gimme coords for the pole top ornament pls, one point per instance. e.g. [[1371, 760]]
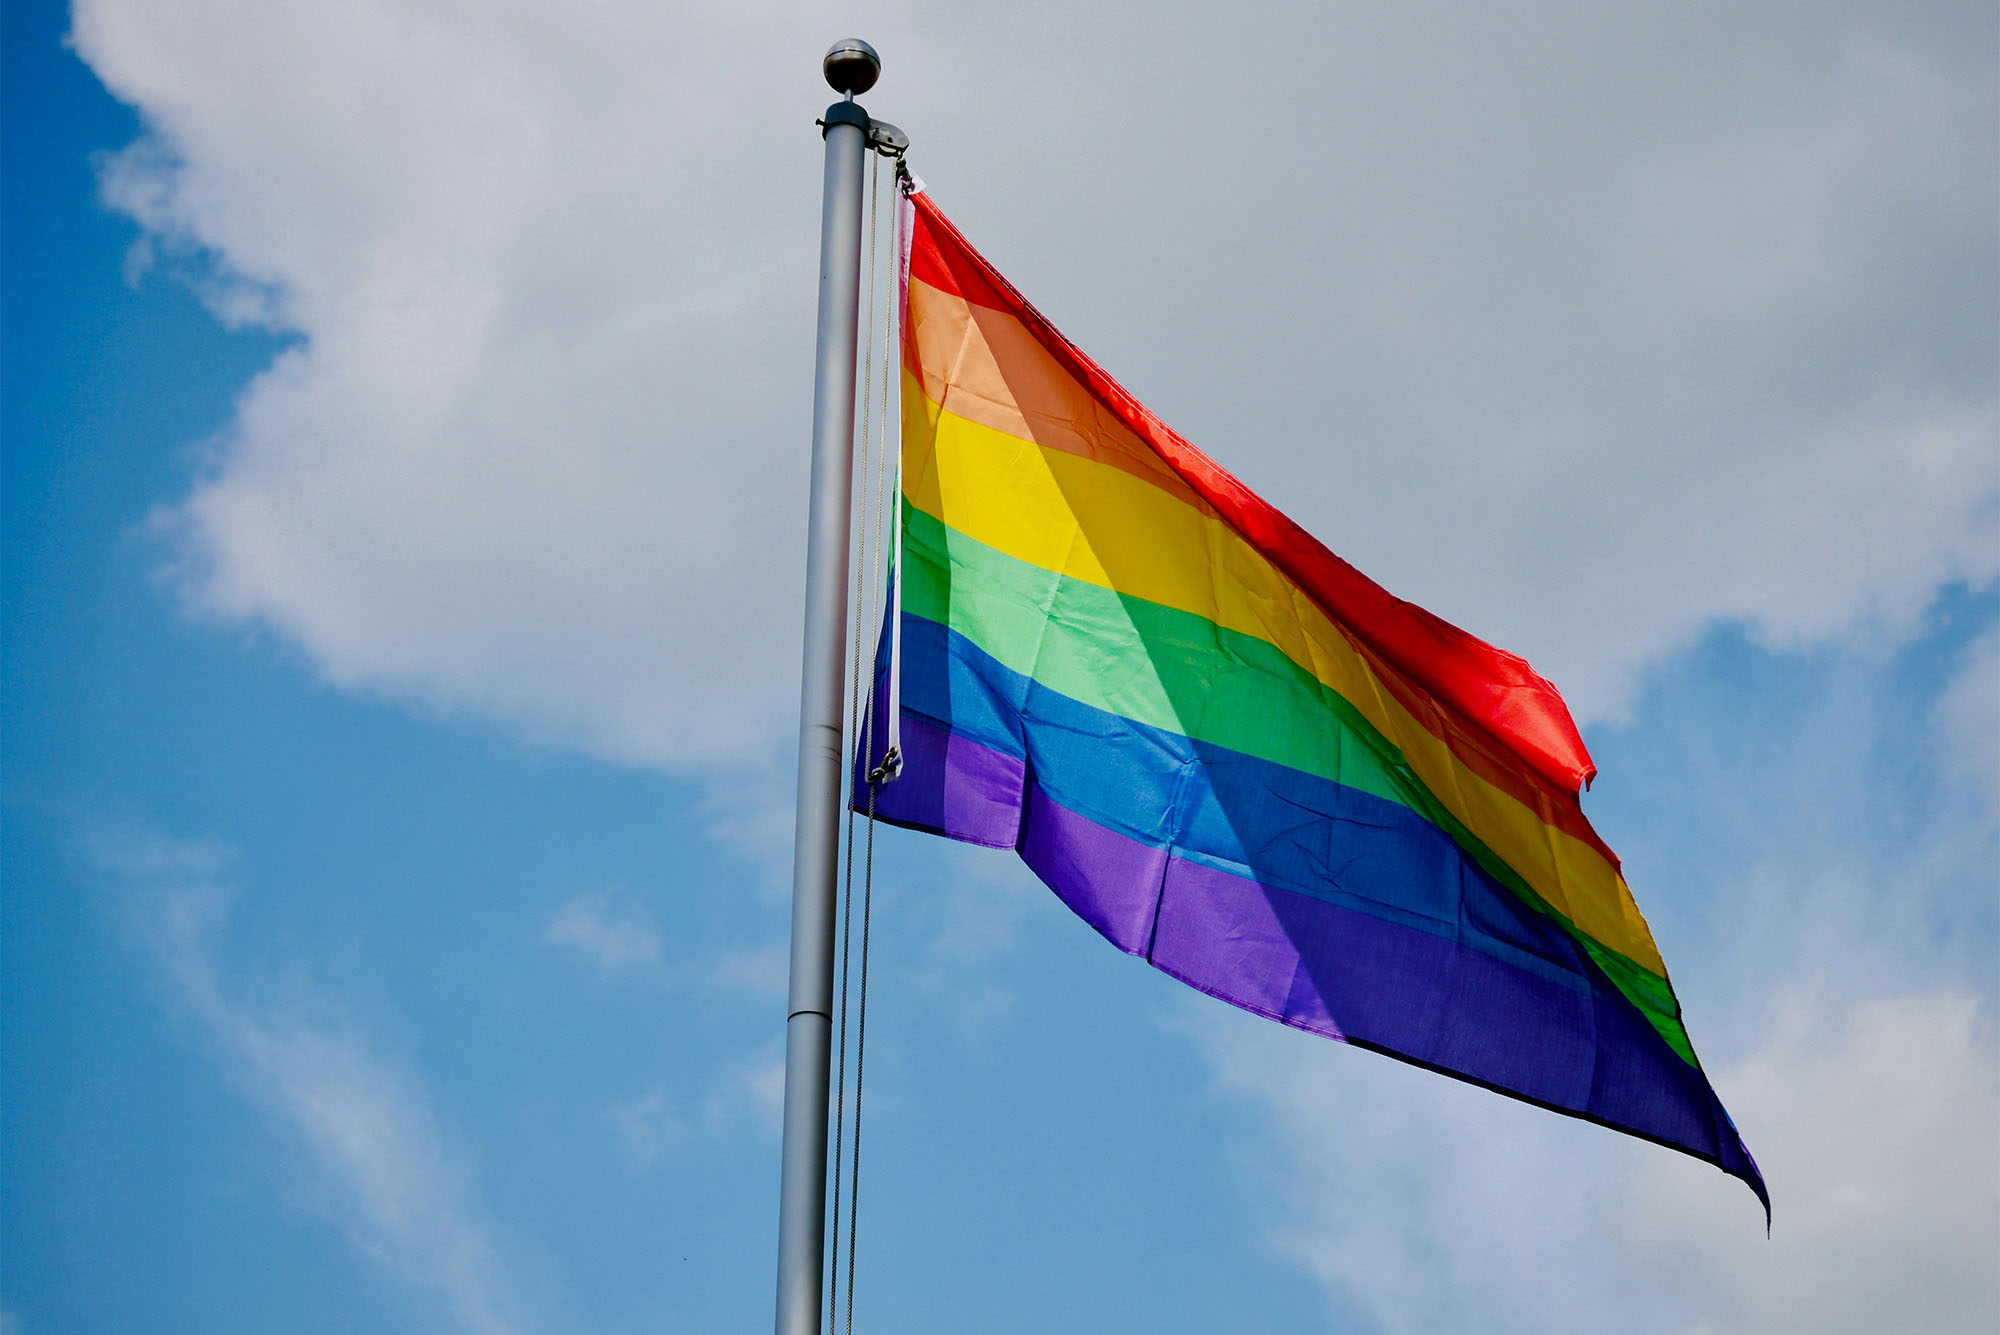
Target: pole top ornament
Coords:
[[851, 66]]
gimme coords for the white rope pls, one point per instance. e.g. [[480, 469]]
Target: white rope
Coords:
[[857, 716], [892, 758], [877, 474]]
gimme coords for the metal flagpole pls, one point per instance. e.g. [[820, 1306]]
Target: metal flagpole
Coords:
[[851, 67]]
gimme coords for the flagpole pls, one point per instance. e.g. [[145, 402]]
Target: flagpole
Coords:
[[851, 67]]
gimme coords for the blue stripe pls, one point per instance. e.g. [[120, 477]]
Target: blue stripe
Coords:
[[1229, 811]]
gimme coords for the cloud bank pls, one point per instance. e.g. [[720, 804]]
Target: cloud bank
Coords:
[[1583, 332], [1435, 1206]]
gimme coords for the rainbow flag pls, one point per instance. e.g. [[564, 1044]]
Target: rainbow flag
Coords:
[[1232, 753]]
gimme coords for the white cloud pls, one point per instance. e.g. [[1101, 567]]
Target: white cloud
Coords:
[[759, 1086], [747, 806], [969, 915], [1436, 1206], [1882, 1122], [381, 1165], [616, 932], [1968, 719], [748, 1091], [523, 459], [647, 1126], [1428, 1203], [761, 971], [611, 927], [1584, 331]]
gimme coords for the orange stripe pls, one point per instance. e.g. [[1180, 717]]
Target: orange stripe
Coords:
[[986, 366]]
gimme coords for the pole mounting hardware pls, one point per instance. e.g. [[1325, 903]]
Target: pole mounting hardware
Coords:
[[886, 139]]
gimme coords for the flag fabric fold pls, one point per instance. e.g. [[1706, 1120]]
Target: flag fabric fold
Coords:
[[1232, 753]]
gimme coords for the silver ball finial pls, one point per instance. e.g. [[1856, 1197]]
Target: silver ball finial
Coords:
[[852, 66]]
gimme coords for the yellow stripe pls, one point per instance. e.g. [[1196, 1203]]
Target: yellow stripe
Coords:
[[1104, 525]]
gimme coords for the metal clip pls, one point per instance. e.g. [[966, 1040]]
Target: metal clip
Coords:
[[891, 766]]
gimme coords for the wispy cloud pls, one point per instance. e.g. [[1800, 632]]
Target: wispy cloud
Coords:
[[381, 1165], [647, 1126], [761, 971], [612, 928], [969, 916], [653, 1124], [616, 932]]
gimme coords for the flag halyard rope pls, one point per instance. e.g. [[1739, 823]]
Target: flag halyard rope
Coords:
[[856, 717], [870, 573]]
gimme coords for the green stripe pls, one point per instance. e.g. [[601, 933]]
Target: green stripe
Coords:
[[1178, 671]]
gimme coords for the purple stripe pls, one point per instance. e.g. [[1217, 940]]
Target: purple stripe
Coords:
[[952, 785], [1319, 966]]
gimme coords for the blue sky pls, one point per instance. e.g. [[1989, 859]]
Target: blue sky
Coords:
[[405, 412]]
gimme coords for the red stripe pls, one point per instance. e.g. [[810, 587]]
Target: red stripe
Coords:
[[1490, 690]]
